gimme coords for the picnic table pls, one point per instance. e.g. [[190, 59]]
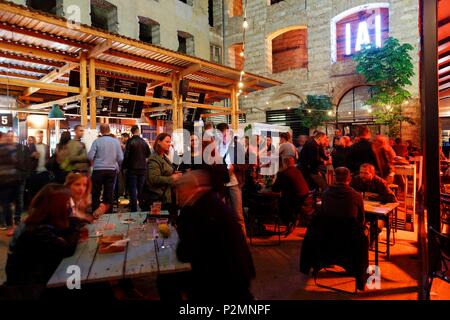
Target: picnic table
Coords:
[[144, 254]]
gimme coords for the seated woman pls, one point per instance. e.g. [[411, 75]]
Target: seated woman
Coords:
[[46, 236], [80, 189]]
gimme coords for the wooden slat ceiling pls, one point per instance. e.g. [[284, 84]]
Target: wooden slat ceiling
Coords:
[[33, 44]]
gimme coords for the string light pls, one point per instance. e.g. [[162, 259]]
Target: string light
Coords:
[[330, 113], [309, 110], [242, 53]]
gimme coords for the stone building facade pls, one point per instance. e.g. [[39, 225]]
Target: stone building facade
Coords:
[[318, 74]]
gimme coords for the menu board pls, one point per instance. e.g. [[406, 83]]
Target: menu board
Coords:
[[113, 107]]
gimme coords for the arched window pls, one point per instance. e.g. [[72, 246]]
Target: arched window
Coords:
[[288, 49], [352, 107]]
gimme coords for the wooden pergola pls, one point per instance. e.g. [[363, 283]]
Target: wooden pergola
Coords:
[[38, 50]]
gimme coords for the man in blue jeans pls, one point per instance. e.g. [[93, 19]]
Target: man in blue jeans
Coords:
[[135, 163], [107, 156]]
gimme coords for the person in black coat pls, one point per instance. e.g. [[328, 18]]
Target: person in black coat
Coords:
[[135, 164], [312, 158], [212, 240], [41, 242], [361, 152]]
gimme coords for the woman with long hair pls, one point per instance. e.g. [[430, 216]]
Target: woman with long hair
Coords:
[[160, 173], [45, 237], [80, 186]]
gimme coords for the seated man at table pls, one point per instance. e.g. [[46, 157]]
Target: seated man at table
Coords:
[[294, 190], [341, 200], [368, 182]]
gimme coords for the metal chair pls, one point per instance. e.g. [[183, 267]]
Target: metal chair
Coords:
[[442, 242]]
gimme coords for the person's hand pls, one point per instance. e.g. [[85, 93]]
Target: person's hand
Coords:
[[176, 176], [101, 210]]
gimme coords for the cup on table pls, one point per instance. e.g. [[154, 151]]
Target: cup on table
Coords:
[[156, 208]]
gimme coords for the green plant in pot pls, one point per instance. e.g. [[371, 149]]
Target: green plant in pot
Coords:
[[388, 71]]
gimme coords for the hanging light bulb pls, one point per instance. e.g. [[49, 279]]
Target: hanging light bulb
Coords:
[[242, 73], [289, 108], [370, 110], [330, 113], [245, 24], [309, 111], [241, 84], [240, 91], [241, 53]]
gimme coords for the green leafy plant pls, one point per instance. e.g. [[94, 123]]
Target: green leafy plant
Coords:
[[314, 111], [388, 71]]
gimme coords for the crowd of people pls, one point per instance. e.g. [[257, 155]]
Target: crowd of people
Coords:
[[75, 186]]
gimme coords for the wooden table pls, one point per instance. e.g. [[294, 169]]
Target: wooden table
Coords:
[[143, 255], [374, 211]]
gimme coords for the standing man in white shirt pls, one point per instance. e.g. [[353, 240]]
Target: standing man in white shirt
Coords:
[[42, 152], [233, 188]]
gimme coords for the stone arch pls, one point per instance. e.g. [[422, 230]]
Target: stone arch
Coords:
[[272, 36], [285, 100]]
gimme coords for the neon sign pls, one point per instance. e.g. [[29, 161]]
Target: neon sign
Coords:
[[358, 27]]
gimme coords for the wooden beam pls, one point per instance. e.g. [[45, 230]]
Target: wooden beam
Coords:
[[93, 100], [189, 70], [100, 48], [11, 66], [114, 67], [207, 115], [176, 101], [37, 52], [156, 84], [52, 76], [59, 102], [118, 95], [34, 99], [207, 106], [38, 84], [208, 87], [234, 108], [29, 59], [148, 61]]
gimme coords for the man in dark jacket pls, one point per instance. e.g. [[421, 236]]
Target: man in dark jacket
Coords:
[[135, 163], [294, 190], [361, 152], [341, 200], [312, 157], [212, 240], [368, 181]]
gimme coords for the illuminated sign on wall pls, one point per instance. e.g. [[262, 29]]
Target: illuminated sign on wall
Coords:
[[357, 27]]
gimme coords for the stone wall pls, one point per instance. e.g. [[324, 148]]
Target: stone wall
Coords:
[[320, 75]]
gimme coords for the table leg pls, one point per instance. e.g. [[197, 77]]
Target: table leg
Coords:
[[388, 235], [375, 229]]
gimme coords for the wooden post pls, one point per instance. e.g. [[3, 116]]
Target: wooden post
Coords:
[[93, 99], [83, 88], [175, 101], [234, 109]]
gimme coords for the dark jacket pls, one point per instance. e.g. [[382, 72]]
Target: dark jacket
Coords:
[[33, 161], [342, 201], [291, 184], [36, 251], [312, 157], [339, 156], [9, 172], [336, 241], [359, 153], [212, 240], [135, 158], [24, 162], [377, 185]]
